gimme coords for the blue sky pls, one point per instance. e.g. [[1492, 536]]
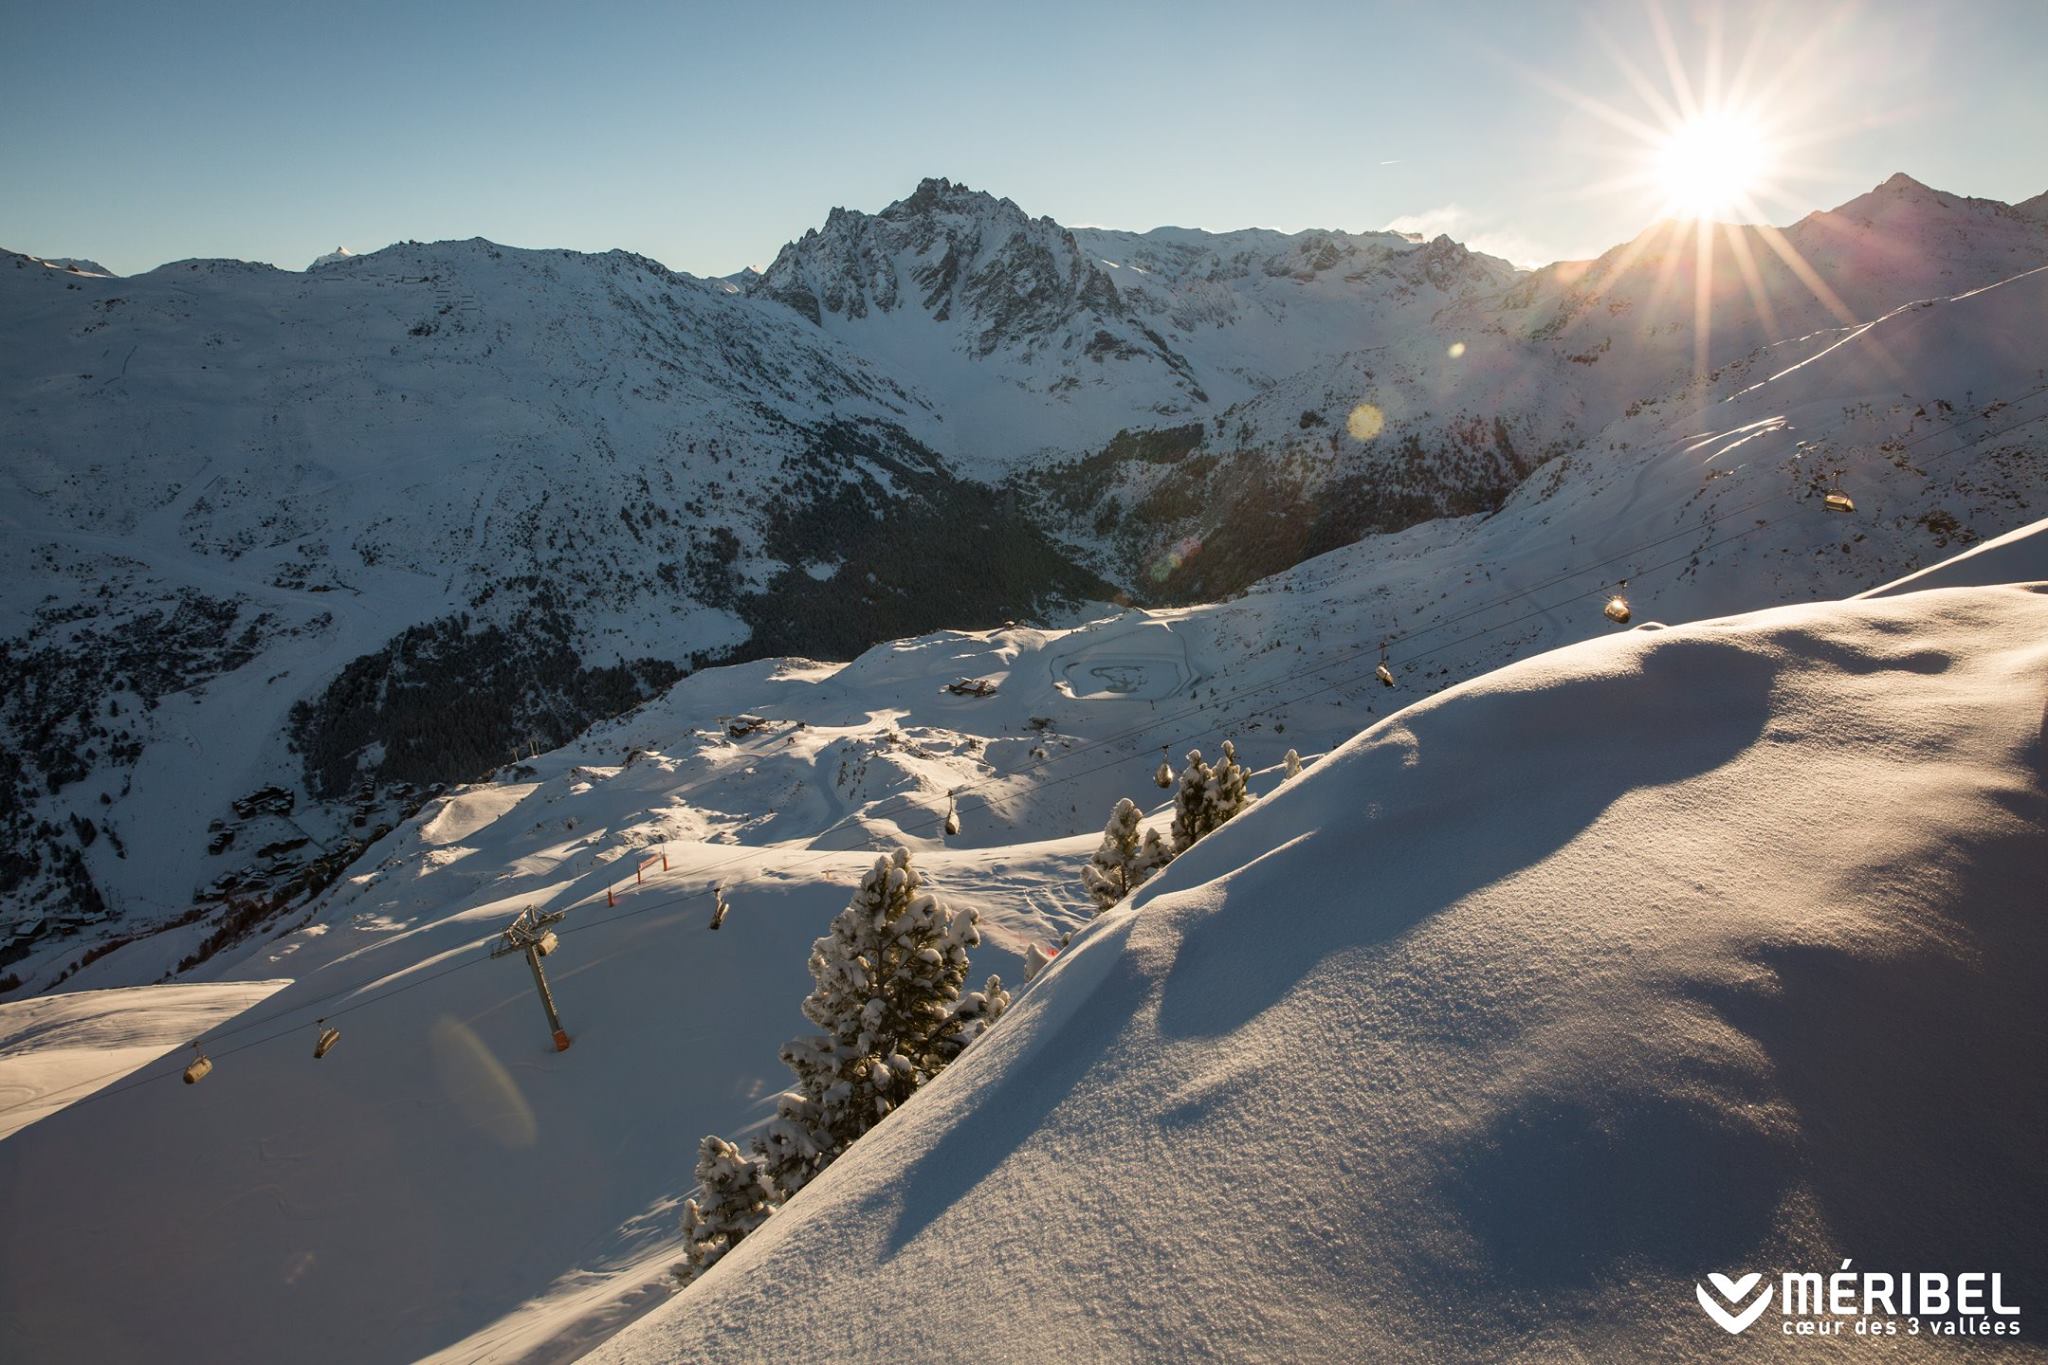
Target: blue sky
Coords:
[[707, 135]]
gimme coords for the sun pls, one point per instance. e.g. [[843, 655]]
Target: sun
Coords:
[[1711, 166]]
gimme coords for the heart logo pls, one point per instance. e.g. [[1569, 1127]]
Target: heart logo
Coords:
[[1734, 1291]]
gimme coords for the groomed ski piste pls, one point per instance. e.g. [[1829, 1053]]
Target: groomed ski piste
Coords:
[[1549, 987]]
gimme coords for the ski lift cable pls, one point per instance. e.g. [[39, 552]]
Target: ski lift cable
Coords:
[[216, 1053], [372, 994]]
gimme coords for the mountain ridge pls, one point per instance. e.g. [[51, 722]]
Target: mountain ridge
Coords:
[[283, 519]]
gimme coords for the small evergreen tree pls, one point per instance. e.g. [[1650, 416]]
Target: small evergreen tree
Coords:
[[737, 1195], [1207, 797], [1293, 762], [888, 980], [1125, 858], [976, 1012]]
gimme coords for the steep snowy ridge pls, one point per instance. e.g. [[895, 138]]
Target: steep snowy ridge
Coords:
[[1678, 301], [1498, 1030]]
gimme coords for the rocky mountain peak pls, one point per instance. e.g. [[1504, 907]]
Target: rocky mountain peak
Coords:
[[960, 255]]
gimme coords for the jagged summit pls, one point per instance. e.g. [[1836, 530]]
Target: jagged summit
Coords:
[[936, 193], [1116, 327]]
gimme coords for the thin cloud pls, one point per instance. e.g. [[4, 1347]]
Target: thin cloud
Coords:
[[1478, 233], [1430, 222]]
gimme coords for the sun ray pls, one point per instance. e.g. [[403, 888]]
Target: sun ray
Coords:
[[1702, 295], [1674, 66], [1752, 278], [1647, 133], [1807, 275], [1667, 113], [1671, 246]]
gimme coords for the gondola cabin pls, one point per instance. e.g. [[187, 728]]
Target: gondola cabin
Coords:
[[1839, 501], [1616, 610], [200, 1068], [1385, 675], [548, 943], [328, 1038]]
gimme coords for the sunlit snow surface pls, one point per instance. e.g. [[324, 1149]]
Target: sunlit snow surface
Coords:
[[1717, 946], [1597, 917], [1683, 950], [56, 1050]]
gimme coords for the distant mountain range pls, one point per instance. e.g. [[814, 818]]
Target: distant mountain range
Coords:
[[285, 550]]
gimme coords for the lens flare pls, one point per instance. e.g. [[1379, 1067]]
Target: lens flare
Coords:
[[1457, 350], [479, 1085], [1176, 555], [1365, 422]]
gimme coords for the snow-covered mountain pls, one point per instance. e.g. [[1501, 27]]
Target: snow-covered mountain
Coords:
[[1641, 828], [285, 551], [282, 550], [1458, 407], [1038, 338], [1678, 302]]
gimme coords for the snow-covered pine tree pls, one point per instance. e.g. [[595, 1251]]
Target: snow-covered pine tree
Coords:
[[1125, 858], [737, 1197], [1207, 796], [888, 980], [974, 1014], [1293, 762]]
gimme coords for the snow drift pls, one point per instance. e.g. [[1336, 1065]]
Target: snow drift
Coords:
[[1693, 950]]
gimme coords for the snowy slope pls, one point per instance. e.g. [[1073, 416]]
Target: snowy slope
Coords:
[[442, 1095], [458, 500], [1499, 1029], [1682, 300], [58, 1048]]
